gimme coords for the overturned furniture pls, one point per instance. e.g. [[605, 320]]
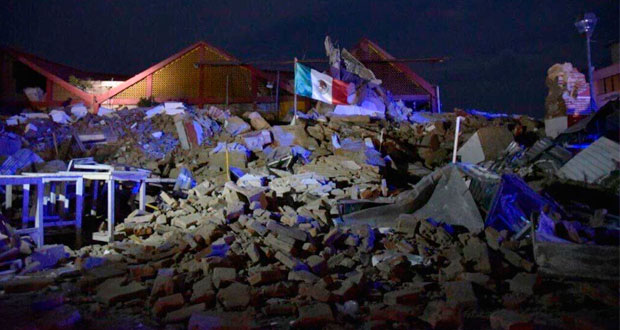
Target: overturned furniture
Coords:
[[41, 219]]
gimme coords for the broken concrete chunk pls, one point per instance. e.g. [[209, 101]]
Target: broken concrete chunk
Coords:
[[113, 290], [166, 304], [410, 296], [183, 314], [187, 220], [235, 296], [202, 292], [523, 283], [286, 231], [257, 121], [460, 293], [505, 319], [235, 126], [223, 276], [265, 277], [314, 315], [168, 200]]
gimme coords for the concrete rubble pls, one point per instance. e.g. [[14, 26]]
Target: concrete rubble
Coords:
[[330, 222]]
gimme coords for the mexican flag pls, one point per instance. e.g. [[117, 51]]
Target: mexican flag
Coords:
[[319, 86]]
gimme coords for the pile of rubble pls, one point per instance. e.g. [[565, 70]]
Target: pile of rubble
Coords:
[[333, 221], [361, 215]]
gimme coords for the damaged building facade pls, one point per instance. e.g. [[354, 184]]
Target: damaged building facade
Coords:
[[199, 74], [182, 76], [186, 214]]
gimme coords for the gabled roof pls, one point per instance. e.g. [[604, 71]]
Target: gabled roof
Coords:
[[396, 77], [142, 75], [50, 70], [61, 70]]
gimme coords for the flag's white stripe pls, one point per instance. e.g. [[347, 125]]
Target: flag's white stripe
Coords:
[[321, 86]]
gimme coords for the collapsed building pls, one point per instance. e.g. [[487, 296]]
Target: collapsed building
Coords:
[[369, 214]]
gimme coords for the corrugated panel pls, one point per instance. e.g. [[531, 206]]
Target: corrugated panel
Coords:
[[594, 162], [538, 147], [179, 79], [135, 91]]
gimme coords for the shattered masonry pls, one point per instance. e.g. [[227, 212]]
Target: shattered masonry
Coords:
[[341, 219]]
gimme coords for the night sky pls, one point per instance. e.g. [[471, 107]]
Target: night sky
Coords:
[[499, 50]]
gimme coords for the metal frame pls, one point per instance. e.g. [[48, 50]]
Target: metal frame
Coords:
[[26, 182], [50, 201], [41, 179], [110, 179]]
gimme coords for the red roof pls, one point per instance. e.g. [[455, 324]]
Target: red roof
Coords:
[[396, 77], [60, 70]]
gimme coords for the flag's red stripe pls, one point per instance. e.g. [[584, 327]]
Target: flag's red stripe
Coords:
[[339, 92]]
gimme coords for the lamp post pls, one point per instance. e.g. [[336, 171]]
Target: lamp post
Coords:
[[586, 26]]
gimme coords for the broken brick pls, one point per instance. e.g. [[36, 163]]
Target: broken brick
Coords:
[[166, 304]]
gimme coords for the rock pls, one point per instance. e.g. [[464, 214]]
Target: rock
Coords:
[[26, 284], [314, 315], [235, 296], [163, 285], [441, 315], [460, 293], [317, 264], [257, 121], [289, 261], [516, 260], [146, 218], [286, 231], [302, 275], [186, 221], [235, 126], [505, 319], [219, 320], [453, 270], [409, 296], [265, 277], [252, 194], [477, 252], [112, 291], [202, 292], [168, 303], [168, 200], [48, 255], [523, 283], [223, 276], [287, 135], [183, 314]]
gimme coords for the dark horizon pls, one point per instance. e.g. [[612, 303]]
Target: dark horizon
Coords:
[[498, 53]]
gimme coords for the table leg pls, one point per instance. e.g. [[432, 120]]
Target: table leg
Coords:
[[38, 221], [25, 205], [111, 210], [8, 197], [142, 194]]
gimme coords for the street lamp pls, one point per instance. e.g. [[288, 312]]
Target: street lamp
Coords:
[[586, 26]]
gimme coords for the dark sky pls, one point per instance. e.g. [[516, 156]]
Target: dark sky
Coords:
[[499, 50]]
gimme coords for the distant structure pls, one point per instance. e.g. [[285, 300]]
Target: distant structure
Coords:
[[607, 79], [180, 77], [20, 70], [398, 78], [199, 74]]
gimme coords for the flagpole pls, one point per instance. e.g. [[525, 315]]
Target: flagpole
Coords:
[[295, 91]]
